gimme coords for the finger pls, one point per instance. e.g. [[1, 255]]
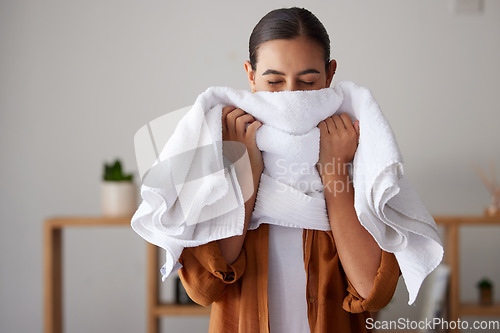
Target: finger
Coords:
[[252, 128], [330, 125], [241, 122], [347, 122], [231, 119], [323, 130], [225, 111], [356, 127], [339, 124], [346, 119], [322, 127]]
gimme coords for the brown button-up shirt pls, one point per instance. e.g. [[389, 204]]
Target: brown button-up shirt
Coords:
[[238, 292]]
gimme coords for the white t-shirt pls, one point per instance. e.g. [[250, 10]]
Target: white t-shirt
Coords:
[[286, 284]]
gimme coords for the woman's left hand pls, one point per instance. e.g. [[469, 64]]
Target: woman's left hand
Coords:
[[338, 143]]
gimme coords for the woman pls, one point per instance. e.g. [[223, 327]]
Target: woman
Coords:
[[281, 279]]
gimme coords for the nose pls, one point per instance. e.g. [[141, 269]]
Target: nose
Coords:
[[292, 85]]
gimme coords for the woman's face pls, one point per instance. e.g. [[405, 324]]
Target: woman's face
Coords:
[[290, 64]]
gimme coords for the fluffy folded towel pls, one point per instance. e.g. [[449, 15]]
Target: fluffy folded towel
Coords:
[[191, 195]]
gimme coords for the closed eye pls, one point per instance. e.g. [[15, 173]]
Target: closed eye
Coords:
[[307, 82], [274, 82]]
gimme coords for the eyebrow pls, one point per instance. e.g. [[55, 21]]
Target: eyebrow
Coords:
[[307, 71]]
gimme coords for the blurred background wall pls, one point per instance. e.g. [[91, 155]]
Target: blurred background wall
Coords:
[[79, 78]]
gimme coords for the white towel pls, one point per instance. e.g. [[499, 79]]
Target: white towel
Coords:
[[191, 196]]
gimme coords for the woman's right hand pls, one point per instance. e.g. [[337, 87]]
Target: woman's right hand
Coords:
[[234, 128]]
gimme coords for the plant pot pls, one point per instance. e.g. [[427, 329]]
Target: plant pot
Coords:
[[486, 296], [118, 198]]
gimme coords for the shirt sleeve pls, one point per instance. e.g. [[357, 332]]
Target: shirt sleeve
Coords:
[[205, 273], [384, 286]]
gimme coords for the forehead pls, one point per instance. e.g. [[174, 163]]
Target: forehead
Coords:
[[290, 54]]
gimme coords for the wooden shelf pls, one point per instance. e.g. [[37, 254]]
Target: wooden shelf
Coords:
[[452, 224], [156, 308], [82, 221], [467, 220], [181, 310], [53, 233], [473, 309]]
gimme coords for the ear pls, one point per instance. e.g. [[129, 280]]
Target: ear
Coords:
[[250, 74], [332, 67]]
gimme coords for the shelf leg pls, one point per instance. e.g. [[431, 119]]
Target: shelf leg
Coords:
[[53, 279], [152, 289], [453, 260]]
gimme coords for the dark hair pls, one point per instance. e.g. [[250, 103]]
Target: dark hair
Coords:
[[288, 23]]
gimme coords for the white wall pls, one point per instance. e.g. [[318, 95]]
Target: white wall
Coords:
[[78, 78]]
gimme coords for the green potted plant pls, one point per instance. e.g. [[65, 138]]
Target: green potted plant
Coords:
[[119, 194], [485, 291]]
